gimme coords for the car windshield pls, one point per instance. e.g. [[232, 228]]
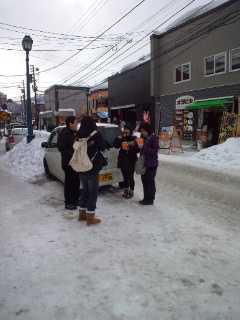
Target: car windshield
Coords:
[[20, 131], [109, 134]]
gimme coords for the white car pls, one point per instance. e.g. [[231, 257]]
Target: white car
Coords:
[[109, 174], [16, 135]]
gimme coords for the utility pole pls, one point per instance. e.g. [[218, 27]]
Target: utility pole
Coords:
[[35, 89], [24, 102]]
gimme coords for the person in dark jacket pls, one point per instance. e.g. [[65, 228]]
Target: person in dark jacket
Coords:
[[65, 143], [150, 150], [126, 159], [90, 179]]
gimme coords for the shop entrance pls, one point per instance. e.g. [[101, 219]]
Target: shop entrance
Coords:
[[212, 119], [209, 119], [124, 116]]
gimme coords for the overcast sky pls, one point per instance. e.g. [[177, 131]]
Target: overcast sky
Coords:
[[88, 43]]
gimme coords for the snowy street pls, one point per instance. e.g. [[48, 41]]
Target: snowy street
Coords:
[[176, 260]]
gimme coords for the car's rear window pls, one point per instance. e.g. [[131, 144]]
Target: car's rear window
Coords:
[[21, 131], [109, 134]]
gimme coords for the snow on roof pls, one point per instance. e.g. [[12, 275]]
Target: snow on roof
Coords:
[[102, 86], [159, 32], [69, 109], [193, 13], [134, 64]]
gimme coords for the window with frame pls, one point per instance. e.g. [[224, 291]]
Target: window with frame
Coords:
[[182, 72], [215, 64], [234, 57], [53, 139]]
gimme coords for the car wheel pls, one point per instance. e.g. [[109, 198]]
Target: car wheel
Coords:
[[46, 169]]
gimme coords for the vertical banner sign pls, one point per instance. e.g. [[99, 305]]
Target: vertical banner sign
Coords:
[[187, 125], [183, 122], [146, 116], [179, 119], [228, 128]]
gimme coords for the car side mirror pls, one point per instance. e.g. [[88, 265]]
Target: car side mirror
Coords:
[[44, 145]]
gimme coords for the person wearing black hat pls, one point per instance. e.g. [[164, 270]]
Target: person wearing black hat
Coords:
[[126, 159], [149, 148]]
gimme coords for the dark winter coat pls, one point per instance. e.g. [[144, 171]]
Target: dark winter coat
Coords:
[[126, 158], [94, 150], [150, 150], [65, 143]]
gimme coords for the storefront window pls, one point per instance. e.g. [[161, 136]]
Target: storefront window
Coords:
[[215, 64], [235, 59], [182, 72]]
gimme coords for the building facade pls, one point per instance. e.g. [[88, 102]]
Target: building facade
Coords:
[[98, 102], [197, 63], [129, 96], [62, 101]]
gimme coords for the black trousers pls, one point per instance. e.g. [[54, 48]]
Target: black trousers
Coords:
[[148, 181], [71, 185], [128, 179]]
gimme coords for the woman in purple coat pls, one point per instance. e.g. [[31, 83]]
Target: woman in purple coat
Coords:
[[150, 150]]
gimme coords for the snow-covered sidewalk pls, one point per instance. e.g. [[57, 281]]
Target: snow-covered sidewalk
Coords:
[[178, 259]]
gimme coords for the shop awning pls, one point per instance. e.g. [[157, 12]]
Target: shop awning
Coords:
[[45, 114], [123, 107], [208, 103]]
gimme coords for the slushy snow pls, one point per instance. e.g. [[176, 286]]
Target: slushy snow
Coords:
[[178, 259]]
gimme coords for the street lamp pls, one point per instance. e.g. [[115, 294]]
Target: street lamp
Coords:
[[27, 46]]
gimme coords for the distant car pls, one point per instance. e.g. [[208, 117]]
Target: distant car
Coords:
[[15, 136], [17, 125], [109, 174]]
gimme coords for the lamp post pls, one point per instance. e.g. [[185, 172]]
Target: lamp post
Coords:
[[27, 46]]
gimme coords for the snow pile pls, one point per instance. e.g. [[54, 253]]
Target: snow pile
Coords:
[[225, 155], [26, 159]]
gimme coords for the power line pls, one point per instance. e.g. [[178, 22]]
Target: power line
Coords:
[[93, 9], [95, 38], [107, 60], [203, 36], [176, 45], [104, 53]]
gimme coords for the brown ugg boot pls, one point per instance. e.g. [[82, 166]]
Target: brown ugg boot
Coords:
[[82, 215], [91, 220], [125, 193], [130, 194]]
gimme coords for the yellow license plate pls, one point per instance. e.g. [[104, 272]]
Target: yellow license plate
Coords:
[[105, 177]]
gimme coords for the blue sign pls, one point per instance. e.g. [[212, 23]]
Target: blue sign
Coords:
[[4, 107]]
